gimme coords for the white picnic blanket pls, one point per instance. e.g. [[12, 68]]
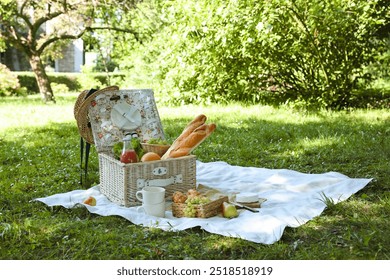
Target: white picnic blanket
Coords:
[[293, 198]]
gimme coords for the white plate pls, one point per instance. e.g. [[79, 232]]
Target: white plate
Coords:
[[125, 117], [247, 197]]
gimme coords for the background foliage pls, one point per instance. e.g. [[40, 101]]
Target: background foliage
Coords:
[[9, 82], [318, 54], [313, 53], [71, 81]]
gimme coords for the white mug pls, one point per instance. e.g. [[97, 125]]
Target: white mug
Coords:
[[157, 210], [151, 195]]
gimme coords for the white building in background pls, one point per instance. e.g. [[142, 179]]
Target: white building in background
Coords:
[[73, 58]]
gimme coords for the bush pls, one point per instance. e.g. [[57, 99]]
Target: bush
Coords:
[[316, 52], [9, 83], [273, 51], [72, 81], [59, 88], [27, 80], [90, 79]]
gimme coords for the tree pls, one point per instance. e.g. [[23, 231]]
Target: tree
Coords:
[[40, 28]]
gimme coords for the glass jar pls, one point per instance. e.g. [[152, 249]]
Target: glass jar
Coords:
[[128, 153]]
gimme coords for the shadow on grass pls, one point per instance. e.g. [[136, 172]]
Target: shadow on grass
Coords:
[[42, 161], [356, 147], [49, 156]]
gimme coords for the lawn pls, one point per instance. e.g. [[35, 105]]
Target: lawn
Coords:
[[39, 155]]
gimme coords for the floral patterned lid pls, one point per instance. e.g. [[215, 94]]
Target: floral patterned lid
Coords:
[[115, 113]]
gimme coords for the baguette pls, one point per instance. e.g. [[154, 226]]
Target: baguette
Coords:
[[192, 141], [195, 123]]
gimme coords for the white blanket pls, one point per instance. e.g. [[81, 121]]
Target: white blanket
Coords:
[[293, 198]]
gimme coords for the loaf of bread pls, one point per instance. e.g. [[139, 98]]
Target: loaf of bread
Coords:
[[195, 123], [193, 140]]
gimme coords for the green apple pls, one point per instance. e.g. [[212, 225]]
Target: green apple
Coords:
[[229, 210]]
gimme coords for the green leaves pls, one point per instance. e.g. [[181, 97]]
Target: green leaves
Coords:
[[314, 54]]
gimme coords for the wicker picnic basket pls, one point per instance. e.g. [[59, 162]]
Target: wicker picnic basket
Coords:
[[156, 148], [206, 210], [120, 182], [113, 113]]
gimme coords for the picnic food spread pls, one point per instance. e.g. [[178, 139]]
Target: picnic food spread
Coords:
[[133, 153], [194, 204], [192, 136]]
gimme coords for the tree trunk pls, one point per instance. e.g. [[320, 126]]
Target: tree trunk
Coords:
[[42, 78]]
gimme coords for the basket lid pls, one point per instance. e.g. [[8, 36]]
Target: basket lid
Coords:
[[81, 108], [113, 114]]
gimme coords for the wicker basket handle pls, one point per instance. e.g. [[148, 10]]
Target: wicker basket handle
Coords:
[[176, 179]]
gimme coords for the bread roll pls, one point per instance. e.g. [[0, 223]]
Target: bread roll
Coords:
[[150, 156], [195, 123], [179, 197]]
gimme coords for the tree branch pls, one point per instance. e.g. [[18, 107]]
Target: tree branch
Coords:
[[57, 38], [23, 16], [301, 21], [82, 32], [24, 4], [37, 24], [136, 34]]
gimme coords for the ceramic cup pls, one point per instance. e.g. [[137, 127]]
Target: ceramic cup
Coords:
[[151, 195], [157, 210]]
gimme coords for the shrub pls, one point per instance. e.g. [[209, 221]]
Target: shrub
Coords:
[[59, 88], [9, 83], [27, 80], [316, 52], [313, 53], [89, 79], [71, 81]]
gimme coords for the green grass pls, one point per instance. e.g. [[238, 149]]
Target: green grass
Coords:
[[39, 156]]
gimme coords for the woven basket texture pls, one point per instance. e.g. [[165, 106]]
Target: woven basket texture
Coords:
[[206, 210], [155, 148], [120, 182]]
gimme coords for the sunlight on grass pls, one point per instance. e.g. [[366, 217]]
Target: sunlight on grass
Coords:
[[31, 112], [314, 143], [40, 156]]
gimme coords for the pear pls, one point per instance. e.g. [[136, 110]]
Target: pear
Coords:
[[229, 210]]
